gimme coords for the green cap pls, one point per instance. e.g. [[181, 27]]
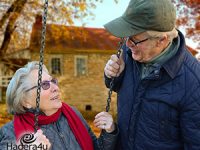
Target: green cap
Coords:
[[144, 15]]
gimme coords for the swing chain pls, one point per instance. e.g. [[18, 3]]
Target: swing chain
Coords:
[[44, 20], [120, 44]]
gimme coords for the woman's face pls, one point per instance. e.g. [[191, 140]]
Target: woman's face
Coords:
[[50, 100]]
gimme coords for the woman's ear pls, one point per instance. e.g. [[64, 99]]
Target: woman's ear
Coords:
[[26, 104]]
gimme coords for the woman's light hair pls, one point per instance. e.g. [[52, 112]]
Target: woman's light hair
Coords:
[[156, 34], [15, 93]]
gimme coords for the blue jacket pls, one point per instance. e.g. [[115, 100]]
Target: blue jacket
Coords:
[[161, 111]]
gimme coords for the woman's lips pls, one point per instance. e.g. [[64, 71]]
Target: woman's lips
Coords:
[[55, 97]]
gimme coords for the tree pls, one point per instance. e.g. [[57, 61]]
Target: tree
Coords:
[[18, 17], [189, 18], [12, 13]]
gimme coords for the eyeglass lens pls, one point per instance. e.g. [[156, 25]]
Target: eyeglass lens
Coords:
[[46, 84]]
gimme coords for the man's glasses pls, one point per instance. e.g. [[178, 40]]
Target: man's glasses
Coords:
[[133, 43], [45, 84]]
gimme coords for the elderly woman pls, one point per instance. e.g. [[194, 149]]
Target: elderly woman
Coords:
[[61, 127]]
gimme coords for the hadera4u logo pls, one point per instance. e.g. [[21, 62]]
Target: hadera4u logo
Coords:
[[27, 142]]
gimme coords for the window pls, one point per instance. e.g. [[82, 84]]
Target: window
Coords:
[[88, 107], [80, 65], [56, 66]]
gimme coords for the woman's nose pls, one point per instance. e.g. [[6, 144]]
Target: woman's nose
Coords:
[[54, 87]]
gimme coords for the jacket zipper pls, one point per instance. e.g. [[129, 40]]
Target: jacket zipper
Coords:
[[60, 135]]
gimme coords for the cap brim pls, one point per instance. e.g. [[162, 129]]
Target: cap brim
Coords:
[[121, 28]]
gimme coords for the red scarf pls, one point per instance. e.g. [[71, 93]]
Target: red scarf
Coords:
[[24, 123]]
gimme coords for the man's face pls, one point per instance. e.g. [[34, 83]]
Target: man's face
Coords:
[[143, 47]]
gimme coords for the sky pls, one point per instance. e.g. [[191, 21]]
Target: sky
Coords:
[[105, 12]]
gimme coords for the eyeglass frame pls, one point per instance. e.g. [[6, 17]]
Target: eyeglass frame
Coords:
[[133, 43], [45, 81]]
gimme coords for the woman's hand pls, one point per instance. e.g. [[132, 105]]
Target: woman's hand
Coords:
[[104, 120], [42, 139]]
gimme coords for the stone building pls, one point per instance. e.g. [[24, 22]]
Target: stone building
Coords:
[[76, 56]]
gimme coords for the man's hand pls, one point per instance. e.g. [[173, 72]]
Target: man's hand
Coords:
[[114, 66]]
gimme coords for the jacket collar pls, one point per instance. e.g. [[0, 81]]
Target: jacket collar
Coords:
[[172, 66]]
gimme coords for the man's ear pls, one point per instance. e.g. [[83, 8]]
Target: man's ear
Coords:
[[162, 41]]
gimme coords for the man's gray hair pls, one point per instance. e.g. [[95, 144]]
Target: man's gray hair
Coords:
[[156, 34], [15, 93]]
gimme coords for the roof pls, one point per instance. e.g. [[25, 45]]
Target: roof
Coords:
[[70, 39], [66, 39]]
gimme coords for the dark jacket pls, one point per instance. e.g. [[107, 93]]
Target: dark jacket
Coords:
[[161, 111], [61, 136]]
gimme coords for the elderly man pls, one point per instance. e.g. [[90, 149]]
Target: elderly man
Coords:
[[156, 78]]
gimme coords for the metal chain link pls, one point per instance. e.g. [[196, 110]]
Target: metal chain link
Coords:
[[44, 20], [112, 79]]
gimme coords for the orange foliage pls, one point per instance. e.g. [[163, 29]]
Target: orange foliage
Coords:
[[18, 15], [188, 16], [4, 116]]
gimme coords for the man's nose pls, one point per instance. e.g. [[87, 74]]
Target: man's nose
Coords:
[[130, 44]]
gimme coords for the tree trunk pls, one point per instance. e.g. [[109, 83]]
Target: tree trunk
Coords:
[[14, 12]]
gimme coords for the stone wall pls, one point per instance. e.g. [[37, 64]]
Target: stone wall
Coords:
[[83, 91]]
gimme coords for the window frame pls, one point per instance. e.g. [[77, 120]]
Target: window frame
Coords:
[[61, 64], [76, 67]]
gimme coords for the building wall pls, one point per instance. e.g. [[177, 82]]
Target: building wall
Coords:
[[80, 91]]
